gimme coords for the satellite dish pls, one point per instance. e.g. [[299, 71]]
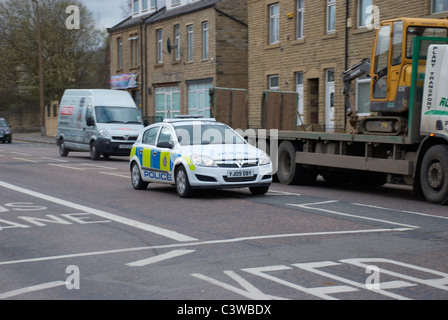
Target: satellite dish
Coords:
[[168, 45]]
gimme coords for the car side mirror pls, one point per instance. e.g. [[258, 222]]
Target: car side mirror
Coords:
[[165, 144]]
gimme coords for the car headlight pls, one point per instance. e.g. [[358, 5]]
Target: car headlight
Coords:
[[104, 133], [264, 159], [204, 161]]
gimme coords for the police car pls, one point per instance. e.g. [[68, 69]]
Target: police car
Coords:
[[194, 153]]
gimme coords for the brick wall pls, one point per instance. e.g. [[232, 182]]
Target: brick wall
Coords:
[[316, 52]]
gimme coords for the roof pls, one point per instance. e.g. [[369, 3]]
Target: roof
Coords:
[[182, 10], [163, 14]]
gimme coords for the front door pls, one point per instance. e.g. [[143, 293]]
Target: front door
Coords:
[[329, 101]]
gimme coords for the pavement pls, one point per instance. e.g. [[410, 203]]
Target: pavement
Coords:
[[33, 137]]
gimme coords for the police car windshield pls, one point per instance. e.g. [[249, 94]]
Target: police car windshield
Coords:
[[117, 115], [203, 134]]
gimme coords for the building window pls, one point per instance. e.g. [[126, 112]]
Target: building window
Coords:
[[136, 6], [273, 83], [153, 4], [144, 5], [331, 16], [120, 52], [204, 40], [300, 19], [174, 2], [274, 23], [363, 95], [363, 12], [177, 42], [134, 51], [190, 43], [199, 99], [439, 6], [167, 102], [160, 46]]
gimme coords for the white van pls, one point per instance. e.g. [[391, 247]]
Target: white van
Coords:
[[100, 121]]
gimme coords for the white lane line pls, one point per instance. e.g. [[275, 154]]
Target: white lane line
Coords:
[[307, 206], [403, 211], [28, 160], [39, 287], [22, 154], [201, 243], [139, 225], [53, 159], [161, 257], [121, 175]]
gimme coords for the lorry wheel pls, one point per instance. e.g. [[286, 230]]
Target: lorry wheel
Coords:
[[288, 171], [183, 187], [63, 152], [434, 174], [136, 178], [93, 154]]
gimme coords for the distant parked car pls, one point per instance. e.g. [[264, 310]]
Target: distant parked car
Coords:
[[5, 131]]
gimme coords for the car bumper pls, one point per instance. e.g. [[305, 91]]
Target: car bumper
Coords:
[[208, 178], [109, 147], [5, 137]]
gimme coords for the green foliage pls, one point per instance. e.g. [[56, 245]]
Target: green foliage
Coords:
[[72, 58]]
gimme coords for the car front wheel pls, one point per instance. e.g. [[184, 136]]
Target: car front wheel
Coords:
[[136, 178], [183, 187]]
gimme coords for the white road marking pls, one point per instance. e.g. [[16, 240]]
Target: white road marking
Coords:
[[307, 206], [161, 257], [121, 175], [201, 243], [139, 225], [39, 287], [28, 160], [403, 211]]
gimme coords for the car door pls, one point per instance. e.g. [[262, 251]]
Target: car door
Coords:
[[161, 156], [145, 152]]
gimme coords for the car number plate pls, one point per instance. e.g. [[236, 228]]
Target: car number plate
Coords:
[[240, 173], [125, 146]]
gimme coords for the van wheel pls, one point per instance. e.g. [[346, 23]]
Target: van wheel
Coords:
[[183, 187], [136, 178], [63, 152], [93, 154]]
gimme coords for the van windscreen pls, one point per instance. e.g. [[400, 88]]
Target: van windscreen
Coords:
[[117, 115]]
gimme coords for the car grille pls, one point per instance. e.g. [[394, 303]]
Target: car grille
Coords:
[[122, 138], [240, 179], [234, 164]]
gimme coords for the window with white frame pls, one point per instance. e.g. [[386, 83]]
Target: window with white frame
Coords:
[[300, 19], [363, 13], [273, 82], [160, 46], [204, 40], [176, 42], [274, 23], [120, 52], [199, 99], [331, 16], [134, 51], [167, 102], [136, 6], [144, 5], [175, 2], [190, 42], [439, 6], [153, 4], [363, 95]]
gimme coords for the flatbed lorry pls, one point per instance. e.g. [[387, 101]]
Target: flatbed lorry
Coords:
[[405, 138]]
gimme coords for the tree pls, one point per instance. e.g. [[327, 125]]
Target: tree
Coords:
[[70, 56]]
